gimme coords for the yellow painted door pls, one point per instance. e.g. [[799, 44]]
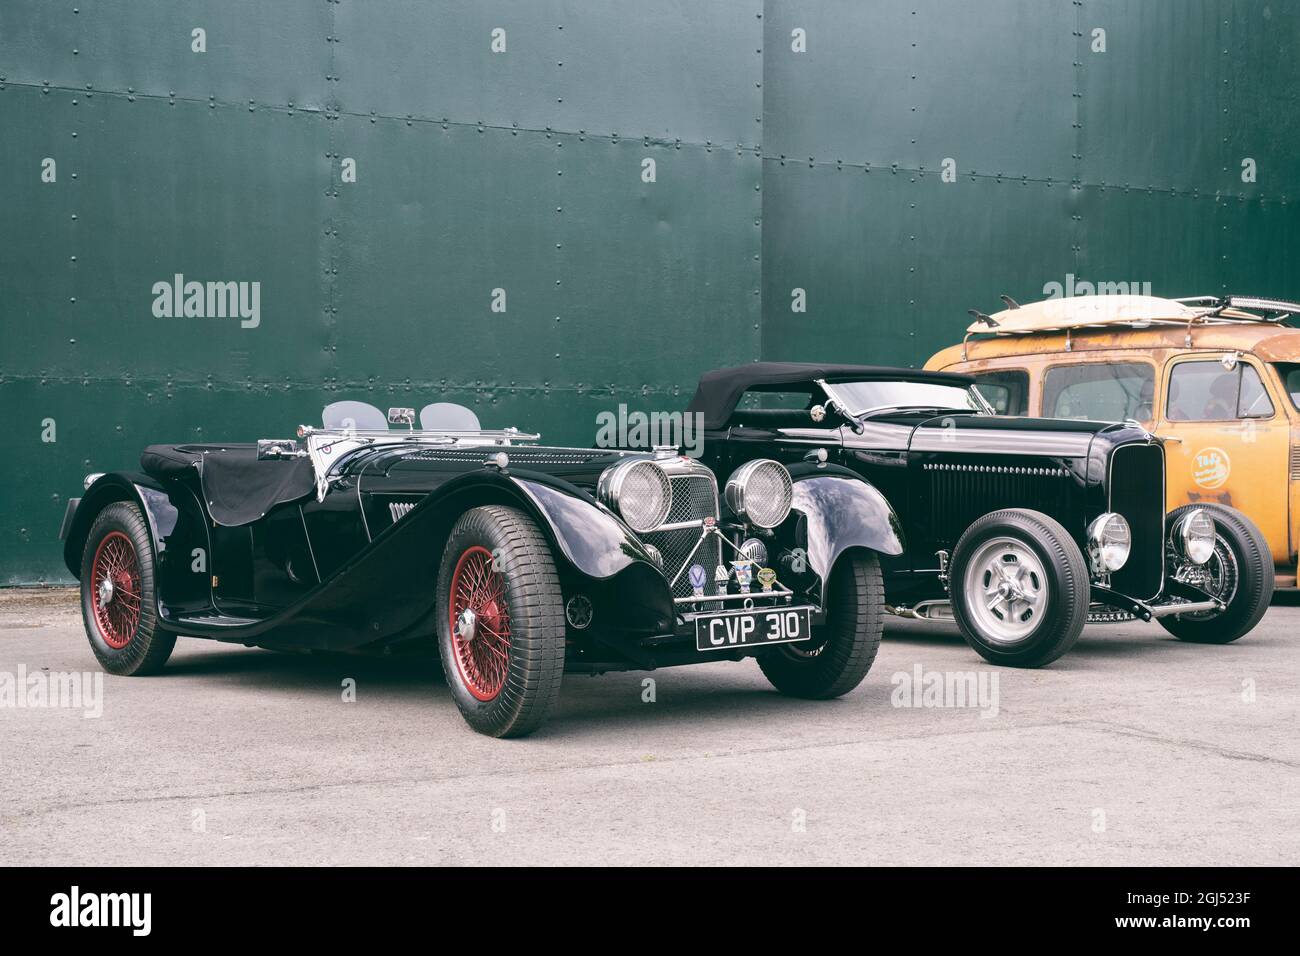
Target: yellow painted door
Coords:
[[1228, 440]]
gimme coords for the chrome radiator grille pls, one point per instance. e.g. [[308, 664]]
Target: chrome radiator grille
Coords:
[[695, 497]]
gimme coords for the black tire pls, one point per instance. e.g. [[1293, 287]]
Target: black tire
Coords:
[[515, 699], [1029, 637], [842, 650], [1252, 591], [125, 643]]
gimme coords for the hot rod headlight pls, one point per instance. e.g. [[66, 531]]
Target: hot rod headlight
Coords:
[[759, 492], [1194, 536], [1109, 542], [639, 491]]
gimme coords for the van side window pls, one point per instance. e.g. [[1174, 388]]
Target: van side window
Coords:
[[1006, 390], [1104, 393], [1253, 401], [1206, 391], [1290, 373]]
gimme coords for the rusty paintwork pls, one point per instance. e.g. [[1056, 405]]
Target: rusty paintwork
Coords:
[[1256, 454]]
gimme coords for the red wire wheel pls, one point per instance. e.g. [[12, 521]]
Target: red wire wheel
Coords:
[[115, 589], [480, 623]]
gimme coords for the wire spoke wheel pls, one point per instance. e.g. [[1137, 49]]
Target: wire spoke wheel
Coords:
[[501, 637], [116, 589], [480, 623]]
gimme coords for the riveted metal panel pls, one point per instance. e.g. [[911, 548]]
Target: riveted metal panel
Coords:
[[677, 71], [273, 53], [1186, 90], [1171, 240], [536, 259], [888, 262], [159, 190], [987, 84]]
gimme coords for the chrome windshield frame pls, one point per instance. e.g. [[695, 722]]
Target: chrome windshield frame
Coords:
[[838, 399], [329, 448]]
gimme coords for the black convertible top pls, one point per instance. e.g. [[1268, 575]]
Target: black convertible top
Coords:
[[720, 390]]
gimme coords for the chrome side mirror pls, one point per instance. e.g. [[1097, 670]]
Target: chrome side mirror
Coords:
[[818, 413], [401, 416]]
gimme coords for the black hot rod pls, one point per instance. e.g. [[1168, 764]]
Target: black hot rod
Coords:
[[526, 561], [1019, 528]]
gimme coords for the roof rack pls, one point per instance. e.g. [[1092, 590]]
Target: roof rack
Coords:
[[1275, 310], [1134, 311]]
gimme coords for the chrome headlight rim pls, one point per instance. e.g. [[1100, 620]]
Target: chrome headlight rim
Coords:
[[1110, 542], [1194, 536], [612, 490], [742, 498]]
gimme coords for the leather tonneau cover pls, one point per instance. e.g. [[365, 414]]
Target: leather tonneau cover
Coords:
[[237, 487]]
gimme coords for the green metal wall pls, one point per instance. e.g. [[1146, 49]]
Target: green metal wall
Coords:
[[522, 171], [1115, 166]]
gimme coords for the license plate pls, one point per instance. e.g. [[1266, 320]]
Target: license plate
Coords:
[[731, 629]]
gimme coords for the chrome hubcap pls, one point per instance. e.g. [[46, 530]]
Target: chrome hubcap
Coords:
[[466, 625], [1006, 590], [105, 591]]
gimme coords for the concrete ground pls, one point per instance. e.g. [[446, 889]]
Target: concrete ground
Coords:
[[1134, 749]]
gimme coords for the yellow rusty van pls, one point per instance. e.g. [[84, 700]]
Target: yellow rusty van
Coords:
[[1217, 378]]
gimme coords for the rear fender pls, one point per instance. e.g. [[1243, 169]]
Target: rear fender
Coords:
[[141, 490]]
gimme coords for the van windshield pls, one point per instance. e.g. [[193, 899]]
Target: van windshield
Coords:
[[1290, 373]]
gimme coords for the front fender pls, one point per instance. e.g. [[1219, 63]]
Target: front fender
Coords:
[[591, 538], [842, 511]]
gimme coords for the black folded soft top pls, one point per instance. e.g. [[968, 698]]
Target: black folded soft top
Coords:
[[237, 487], [720, 390]]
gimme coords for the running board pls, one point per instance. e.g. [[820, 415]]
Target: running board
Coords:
[[211, 621]]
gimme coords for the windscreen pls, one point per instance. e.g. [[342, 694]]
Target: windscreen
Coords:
[[864, 397]]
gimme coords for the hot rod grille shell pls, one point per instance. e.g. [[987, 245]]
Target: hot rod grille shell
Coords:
[[1136, 481]]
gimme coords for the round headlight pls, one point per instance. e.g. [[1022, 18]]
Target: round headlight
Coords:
[[1194, 536], [1109, 542], [759, 492], [638, 490], [755, 550]]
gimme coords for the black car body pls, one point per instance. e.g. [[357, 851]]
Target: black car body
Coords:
[[957, 476], [525, 560]]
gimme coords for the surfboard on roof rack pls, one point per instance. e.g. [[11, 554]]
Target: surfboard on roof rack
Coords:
[[1140, 311]]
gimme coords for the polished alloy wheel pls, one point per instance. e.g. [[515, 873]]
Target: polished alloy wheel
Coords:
[[115, 583], [1006, 590], [480, 623]]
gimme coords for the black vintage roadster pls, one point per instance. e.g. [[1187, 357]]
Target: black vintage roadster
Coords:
[[1021, 529], [526, 561]]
